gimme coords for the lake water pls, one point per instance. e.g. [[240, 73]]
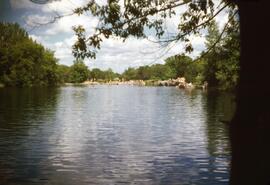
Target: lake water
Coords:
[[113, 135]]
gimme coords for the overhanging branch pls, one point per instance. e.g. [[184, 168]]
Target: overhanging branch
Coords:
[[219, 38]]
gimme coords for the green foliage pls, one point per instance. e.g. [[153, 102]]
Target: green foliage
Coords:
[[96, 74], [23, 62], [212, 58], [144, 73], [218, 66], [63, 73], [153, 72], [107, 75], [137, 18], [161, 72], [78, 72], [222, 62], [181, 65], [130, 74], [26, 63]]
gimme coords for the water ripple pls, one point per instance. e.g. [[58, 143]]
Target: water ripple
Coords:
[[112, 135]]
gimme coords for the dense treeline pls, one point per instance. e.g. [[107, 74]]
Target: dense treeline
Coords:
[[106, 75], [23, 62], [79, 72], [221, 63], [219, 66], [176, 66]]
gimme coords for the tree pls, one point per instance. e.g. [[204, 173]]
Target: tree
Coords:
[[23, 62], [227, 72], [222, 62], [134, 17], [130, 74], [107, 75], [179, 64], [161, 72], [96, 74], [250, 126], [213, 57], [78, 72], [63, 73], [143, 73]]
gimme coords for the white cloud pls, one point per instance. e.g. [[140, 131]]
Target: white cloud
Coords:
[[133, 53], [36, 20], [24, 4], [63, 6], [114, 53], [48, 26], [37, 38], [222, 19], [119, 55], [65, 24]]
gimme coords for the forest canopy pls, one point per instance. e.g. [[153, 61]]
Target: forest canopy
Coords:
[[142, 19], [23, 62], [27, 63]]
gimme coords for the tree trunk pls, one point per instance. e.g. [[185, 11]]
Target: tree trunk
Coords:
[[250, 128]]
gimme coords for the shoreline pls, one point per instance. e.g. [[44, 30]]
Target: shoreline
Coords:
[[180, 83]]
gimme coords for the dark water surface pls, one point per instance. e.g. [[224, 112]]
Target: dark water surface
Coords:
[[113, 135]]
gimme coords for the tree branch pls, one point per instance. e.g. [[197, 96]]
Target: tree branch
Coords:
[[178, 37], [219, 38], [55, 18]]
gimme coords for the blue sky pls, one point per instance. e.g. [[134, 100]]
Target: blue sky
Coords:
[[114, 54]]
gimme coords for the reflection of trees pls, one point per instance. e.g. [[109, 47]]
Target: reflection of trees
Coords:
[[219, 111], [19, 105], [23, 113]]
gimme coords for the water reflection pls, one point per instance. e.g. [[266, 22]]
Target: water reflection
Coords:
[[23, 115], [219, 111], [112, 135]]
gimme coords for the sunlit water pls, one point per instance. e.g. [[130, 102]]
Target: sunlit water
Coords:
[[113, 135]]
